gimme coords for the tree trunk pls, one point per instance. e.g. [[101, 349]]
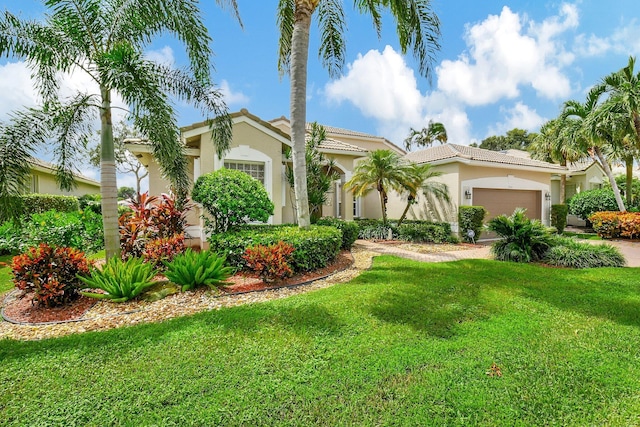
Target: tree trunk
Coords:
[[298, 103], [629, 181], [108, 182], [406, 209], [383, 205], [612, 180]]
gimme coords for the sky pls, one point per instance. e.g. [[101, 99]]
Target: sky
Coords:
[[501, 65]]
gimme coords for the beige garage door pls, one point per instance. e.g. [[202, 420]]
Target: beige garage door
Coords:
[[503, 202]]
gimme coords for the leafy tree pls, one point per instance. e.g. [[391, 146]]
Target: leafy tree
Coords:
[[420, 179], [125, 193], [321, 173], [105, 39], [381, 170], [418, 29], [586, 203], [425, 137], [126, 162], [515, 139], [232, 198]]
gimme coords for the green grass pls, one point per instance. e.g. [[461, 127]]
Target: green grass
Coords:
[[405, 343], [583, 236], [5, 274]]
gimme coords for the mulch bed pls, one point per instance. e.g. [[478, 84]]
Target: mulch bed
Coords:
[[23, 310]]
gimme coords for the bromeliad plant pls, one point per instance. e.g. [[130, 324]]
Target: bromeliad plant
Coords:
[[121, 280], [193, 269], [521, 239]]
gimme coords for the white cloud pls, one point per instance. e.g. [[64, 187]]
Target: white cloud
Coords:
[[509, 51], [162, 56], [625, 40], [16, 88], [231, 97], [521, 117]]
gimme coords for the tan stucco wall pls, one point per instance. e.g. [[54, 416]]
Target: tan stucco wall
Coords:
[[47, 185]]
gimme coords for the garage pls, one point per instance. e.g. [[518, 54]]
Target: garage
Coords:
[[504, 202]]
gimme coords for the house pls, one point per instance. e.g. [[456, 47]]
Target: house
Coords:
[[258, 148], [43, 181], [584, 175], [498, 181]]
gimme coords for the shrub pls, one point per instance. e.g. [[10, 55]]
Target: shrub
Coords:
[[39, 203], [80, 230], [567, 252], [315, 247], [51, 273], [606, 224], [270, 262], [559, 217], [193, 269], [121, 280], [11, 238], [163, 249], [629, 224], [521, 239], [588, 202], [349, 230], [90, 202], [374, 229], [232, 198], [470, 218], [425, 232]]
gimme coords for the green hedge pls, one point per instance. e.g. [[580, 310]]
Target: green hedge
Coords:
[[315, 247], [437, 232], [470, 218], [39, 203], [349, 229], [559, 217]]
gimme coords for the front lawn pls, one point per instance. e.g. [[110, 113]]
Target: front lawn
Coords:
[[5, 274], [464, 343]]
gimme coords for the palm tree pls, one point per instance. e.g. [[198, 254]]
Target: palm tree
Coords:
[[425, 137], [556, 143], [592, 133], [418, 29], [105, 40], [420, 179], [381, 170]]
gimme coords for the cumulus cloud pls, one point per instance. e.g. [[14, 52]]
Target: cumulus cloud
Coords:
[[16, 88], [519, 116], [162, 56], [506, 52], [625, 40], [231, 97]]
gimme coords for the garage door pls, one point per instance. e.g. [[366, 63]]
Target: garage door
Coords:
[[503, 202]]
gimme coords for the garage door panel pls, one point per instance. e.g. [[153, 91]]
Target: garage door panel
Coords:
[[504, 202]]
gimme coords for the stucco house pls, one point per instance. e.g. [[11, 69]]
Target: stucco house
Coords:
[[258, 148], [43, 181]]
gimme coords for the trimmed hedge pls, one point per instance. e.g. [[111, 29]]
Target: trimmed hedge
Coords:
[[349, 229], [609, 224], [426, 232], [39, 203], [559, 217], [470, 218], [588, 202], [315, 247]]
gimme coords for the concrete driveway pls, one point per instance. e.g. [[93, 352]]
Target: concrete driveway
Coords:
[[630, 249]]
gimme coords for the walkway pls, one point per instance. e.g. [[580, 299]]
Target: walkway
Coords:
[[481, 252]]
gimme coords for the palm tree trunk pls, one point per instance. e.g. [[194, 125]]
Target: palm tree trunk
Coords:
[[629, 178], [108, 182], [406, 209], [612, 180], [298, 104], [383, 205]]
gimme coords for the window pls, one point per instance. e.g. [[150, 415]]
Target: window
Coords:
[[254, 170], [356, 207]]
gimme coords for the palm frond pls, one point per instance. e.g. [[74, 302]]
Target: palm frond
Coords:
[[371, 7], [331, 21], [285, 20]]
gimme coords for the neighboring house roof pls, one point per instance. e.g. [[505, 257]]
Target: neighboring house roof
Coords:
[[331, 145], [583, 165], [447, 153], [243, 112], [46, 167]]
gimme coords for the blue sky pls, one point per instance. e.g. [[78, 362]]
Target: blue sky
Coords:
[[502, 65]]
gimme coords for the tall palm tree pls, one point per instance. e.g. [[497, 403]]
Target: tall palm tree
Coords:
[[381, 170], [593, 133], [425, 137], [105, 40], [420, 179], [556, 143], [418, 29]]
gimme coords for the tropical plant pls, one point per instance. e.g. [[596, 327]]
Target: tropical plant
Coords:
[[566, 252], [232, 198], [559, 217], [425, 137], [163, 249], [270, 262], [521, 239], [193, 269], [420, 178], [418, 29], [106, 39], [120, 280], [470, 222], [51, 273], [382, 170], [321, 172]]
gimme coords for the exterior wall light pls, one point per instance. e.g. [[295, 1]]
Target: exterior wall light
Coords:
[[467, 194], [547, 196]]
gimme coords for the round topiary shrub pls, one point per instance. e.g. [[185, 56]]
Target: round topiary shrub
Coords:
[[232, 198], [586, 203]]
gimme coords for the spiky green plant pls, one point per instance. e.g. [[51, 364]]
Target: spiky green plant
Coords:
[[121, 280], [192, 269], [521, 239]]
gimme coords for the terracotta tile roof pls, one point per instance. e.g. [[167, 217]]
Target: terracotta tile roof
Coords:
[[453, 151], [346, 132], [581, 165], [334, 144]]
